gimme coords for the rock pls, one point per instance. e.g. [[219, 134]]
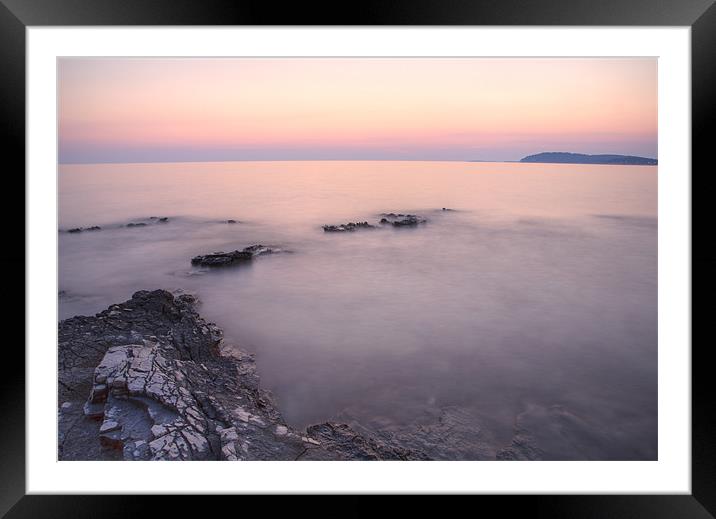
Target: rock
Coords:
[[230, 221], [348, 227], [554, 433], [152, 219], [348, 444], [83, 229], [522, 448], [259, 250], [224, 259], [402, 220], [221, 259], [446, 433], [145, 380], [145, 401]]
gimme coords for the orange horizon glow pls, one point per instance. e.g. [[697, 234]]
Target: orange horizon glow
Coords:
[[164, 109]]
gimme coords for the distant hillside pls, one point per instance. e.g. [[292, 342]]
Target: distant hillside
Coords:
[[580, 158]]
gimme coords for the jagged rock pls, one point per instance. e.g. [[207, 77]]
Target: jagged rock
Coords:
[[84, 340], [144, 380], [224, 259], [348, 227], [144, 401], [402, 220]]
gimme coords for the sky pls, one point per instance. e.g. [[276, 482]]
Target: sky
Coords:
[[215, 109]]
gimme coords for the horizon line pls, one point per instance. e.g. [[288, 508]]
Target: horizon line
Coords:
[[276, 160], [62, 163]]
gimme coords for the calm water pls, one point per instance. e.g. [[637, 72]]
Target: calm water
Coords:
[[539, 290]]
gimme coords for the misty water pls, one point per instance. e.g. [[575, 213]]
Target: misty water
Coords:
[[537, 293]]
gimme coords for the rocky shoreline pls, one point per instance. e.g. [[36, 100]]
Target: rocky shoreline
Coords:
[[146, 379], [149, 379]]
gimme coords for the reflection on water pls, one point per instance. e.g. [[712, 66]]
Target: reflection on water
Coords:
[[538, 294]]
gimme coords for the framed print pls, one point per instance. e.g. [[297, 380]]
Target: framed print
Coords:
[[424, 250]]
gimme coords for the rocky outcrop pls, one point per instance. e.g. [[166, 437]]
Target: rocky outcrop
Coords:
[[145, 380], [225, 259], [348, 227], [402, 220], [394, 219]]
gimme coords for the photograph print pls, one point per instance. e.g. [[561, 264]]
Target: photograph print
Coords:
[[357, 259]]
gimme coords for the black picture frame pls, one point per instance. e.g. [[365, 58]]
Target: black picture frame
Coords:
[[700, 15]]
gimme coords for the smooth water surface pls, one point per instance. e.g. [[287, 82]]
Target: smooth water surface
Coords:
[[538, 290]]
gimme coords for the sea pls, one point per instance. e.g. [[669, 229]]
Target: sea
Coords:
[[526, 304]]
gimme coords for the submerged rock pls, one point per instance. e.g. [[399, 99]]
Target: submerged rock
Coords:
[[555, 432], [83, 229], [348, 227], [344, 440], [446, 433], [224, 259], [144, 380], [151, 219]]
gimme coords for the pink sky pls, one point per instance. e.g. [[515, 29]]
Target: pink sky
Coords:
[[146, 110]]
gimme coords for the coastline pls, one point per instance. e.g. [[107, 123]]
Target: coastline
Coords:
[[146, 380]]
